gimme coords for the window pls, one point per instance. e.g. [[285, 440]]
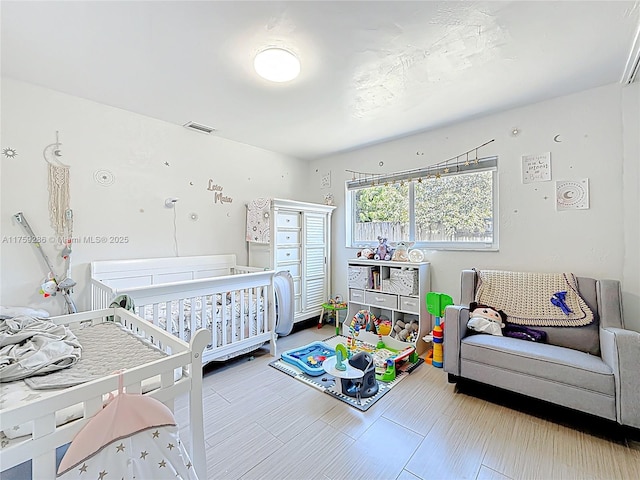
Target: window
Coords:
[[454, 211]]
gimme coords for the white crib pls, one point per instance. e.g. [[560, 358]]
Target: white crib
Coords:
[[86, 399], [182, 294]]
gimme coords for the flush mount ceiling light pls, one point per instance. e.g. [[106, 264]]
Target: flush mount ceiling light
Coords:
[[277, 64]]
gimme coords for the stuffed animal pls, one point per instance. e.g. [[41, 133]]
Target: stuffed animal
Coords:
[[401, 252], [366, 253], [49, 288], [383, 251], [485, 319], [407, 332]]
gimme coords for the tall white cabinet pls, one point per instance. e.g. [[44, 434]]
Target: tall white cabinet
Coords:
[[299, 241]]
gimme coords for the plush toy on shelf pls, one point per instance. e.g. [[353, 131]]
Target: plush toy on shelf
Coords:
[[384, 251], [366, 253], [401, 252], [485, 319]]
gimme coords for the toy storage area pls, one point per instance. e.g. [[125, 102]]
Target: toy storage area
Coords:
[[388, 298]]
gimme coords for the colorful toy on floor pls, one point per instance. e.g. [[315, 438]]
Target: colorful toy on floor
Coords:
[[388, 372], [436, 304], [365, 386], [361, 321], [341, 356], [309, 358]]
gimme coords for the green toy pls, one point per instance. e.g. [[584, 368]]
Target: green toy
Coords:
[[341, 355], [437, 302]]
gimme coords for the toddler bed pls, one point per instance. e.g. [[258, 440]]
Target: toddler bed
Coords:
[[182, 294], [34, 423]]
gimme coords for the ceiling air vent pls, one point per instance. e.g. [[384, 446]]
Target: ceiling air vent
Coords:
[[198, 127]]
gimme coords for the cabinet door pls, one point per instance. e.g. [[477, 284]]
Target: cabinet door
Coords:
[[315, 261]]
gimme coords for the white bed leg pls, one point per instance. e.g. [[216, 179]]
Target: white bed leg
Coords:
[[196, 421]]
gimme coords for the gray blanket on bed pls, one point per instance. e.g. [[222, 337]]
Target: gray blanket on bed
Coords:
[[106, 347], [31, 346]]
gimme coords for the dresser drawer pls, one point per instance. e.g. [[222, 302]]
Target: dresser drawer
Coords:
[[356, 295], [287, 237], [293, 269], [381, 299], [287, 255], [410, 304], [288, 219]]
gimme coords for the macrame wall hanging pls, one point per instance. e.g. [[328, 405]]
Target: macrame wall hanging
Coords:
[[59, 198]]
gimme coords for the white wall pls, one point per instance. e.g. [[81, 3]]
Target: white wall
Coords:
[[533, 235], [631, 207], [134, 148]]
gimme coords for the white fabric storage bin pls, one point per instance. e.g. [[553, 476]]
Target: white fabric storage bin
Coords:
[[360, 277], [402, 282]]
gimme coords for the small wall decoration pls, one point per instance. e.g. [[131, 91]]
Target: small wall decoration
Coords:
[[104, 177], [218, 196], [572, 194], [325, 181], [536, 168], [9, 153]]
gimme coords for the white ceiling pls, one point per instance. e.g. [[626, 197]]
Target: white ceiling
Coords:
[[371, 71]]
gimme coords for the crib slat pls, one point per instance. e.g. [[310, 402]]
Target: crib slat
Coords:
[[181, 331], [244, 320], [223, 319], [192, 314]]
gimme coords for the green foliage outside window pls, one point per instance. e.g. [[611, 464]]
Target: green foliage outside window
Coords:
[[452, 209]]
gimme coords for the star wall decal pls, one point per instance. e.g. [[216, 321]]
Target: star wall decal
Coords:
[[120, 448], [83, 468], [143, 455], [162, 464], [156, 434]]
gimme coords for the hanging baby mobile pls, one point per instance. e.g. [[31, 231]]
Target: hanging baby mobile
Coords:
[[436, 170]]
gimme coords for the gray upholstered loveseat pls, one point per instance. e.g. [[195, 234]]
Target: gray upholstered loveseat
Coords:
[[593, 368]]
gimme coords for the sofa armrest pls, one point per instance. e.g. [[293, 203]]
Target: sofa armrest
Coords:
[[620, 350], [455, 329]]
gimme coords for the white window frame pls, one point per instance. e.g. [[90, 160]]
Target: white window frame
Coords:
[[483, 165]]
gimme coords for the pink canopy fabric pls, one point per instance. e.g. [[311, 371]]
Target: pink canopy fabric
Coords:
[[134, 436]]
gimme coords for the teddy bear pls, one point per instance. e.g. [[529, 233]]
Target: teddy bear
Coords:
[[485, 319], [401, 252], [384, 251]]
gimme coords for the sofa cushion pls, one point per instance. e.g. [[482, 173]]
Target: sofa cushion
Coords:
[[585, 338], [549, 362]]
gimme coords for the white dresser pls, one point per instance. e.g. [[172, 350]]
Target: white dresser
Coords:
[[299, 242]]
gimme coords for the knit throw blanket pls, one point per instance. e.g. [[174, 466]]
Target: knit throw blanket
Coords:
[[526, 298]]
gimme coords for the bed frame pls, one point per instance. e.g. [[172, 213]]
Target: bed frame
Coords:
[[40, 447], [165, 284]]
